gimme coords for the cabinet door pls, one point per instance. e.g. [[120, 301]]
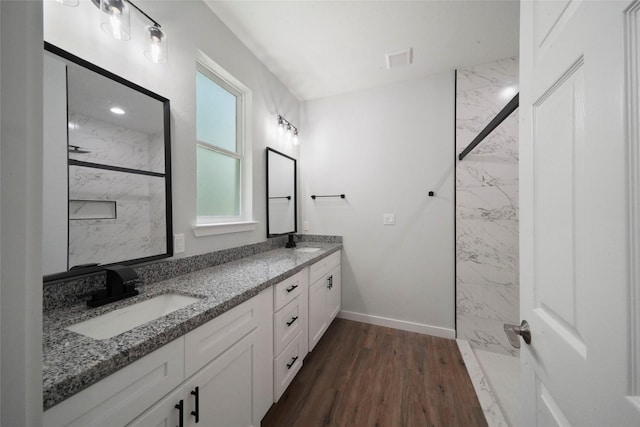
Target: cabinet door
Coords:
[[225, 388], [333, 294], [317, 311], [164, 413]]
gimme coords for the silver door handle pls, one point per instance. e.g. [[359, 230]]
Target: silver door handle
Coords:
[[513, 331]]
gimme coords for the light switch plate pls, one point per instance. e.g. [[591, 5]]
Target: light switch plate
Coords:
[[388, 219], [178, 243]]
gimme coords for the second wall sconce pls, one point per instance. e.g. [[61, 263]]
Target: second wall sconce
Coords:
[[284, 124]]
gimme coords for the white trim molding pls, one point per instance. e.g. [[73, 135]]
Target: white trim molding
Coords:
[[632, 36], [200, 230], [402, 325]]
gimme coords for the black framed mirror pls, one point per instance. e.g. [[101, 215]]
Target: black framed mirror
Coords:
[[106, 168], [282, 197]]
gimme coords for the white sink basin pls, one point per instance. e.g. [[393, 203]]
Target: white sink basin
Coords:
[[307, 250], [126, 318]]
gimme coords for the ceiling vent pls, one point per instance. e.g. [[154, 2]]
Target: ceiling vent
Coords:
[[397, 59]]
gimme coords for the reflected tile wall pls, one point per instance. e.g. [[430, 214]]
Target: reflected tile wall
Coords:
[[487, 208], [134, 233], [139, 229]]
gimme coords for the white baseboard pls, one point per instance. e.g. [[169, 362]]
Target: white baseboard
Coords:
[[403, 325]]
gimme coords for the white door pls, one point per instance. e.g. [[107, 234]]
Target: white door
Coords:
[[580, 368]]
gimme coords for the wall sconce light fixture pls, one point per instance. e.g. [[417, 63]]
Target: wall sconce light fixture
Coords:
[[115, 21], [292, 131]]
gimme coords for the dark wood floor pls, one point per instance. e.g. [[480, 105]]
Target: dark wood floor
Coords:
[[365, 375]]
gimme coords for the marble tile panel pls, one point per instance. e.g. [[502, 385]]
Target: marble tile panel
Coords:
[[113, 145], [503, 72], [478, 239], [485, 334], [501, 271], [486, 396], [500, 146], [503, 375], [138, 230], [489, 302], [487, 203], [474, 111]]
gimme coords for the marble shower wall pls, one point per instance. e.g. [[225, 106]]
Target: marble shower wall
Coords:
[[487, 285], [139, 230]]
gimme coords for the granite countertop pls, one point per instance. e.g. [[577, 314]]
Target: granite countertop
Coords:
[[72, 362]]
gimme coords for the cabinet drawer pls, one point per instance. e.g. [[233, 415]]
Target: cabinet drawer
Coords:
[[286, 366], [322, 267], [288, 289], [120, 397], [208, 341], [287, 323]]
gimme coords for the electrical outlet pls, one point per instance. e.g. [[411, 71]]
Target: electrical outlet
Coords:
[[388, 219], [305, 225], [178, 243]]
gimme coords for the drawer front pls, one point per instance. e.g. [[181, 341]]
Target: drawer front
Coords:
[[208, 341], [122, 396], [286, 366], [288, 289], [287, 323], [322, 267]]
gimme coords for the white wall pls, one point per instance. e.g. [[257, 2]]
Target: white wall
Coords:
[[21, 213], [386, 148], [190, 26]]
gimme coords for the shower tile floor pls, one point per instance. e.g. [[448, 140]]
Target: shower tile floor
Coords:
[[503, 374]]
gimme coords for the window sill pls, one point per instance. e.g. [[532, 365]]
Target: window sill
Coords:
[[201, 230]]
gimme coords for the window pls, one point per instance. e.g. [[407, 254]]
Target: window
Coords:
[[223, 165]]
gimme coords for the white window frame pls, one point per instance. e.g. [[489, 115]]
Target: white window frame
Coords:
[[212, 225]]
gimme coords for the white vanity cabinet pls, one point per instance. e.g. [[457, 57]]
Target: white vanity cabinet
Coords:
[[290, 329], [324, 296], [228, 371], [120, 397]]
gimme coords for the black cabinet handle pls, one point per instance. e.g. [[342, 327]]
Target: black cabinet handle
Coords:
[[330, 280], [291, 288], [196, 413], [293, 319], [180, 408], [289, 365]]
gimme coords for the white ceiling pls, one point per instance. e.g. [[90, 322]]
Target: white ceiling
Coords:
[[324, 48]]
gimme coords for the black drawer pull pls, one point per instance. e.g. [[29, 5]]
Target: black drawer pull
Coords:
[[330, 282], [180, 408], [196, 413], [291, 288], [289, 365], [293, 319]]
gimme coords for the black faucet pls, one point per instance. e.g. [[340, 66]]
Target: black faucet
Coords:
[[121, 282]]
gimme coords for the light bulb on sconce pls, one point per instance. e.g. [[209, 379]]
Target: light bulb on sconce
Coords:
[[155, 45], [296, 141], [114, 18]]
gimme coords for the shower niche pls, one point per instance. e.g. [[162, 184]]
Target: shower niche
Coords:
[[106, 167]]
